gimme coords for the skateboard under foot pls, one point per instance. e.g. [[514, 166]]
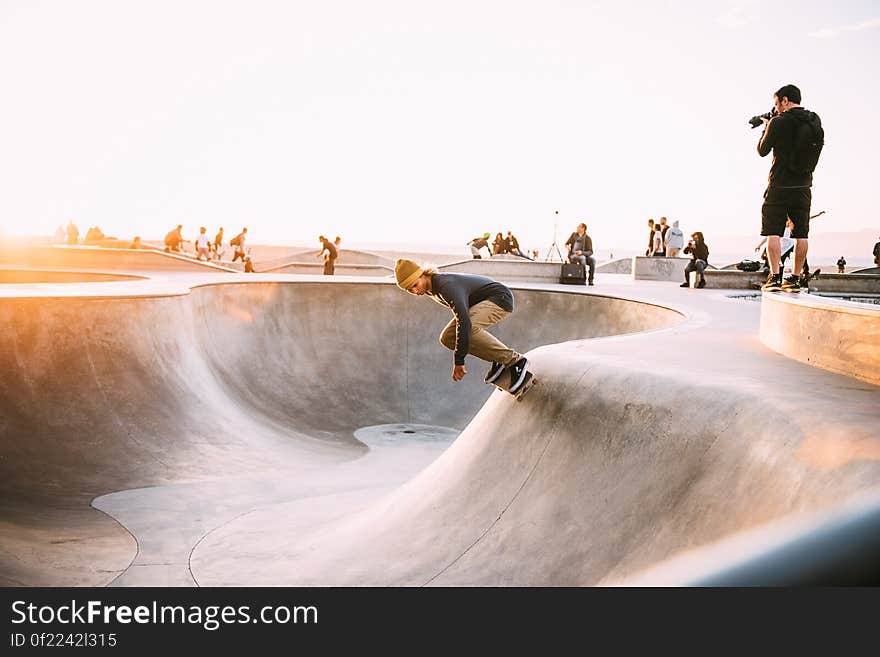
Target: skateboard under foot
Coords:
[[526, 385]]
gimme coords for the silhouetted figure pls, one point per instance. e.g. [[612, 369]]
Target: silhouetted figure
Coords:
[[174, 239], [329, 254], [203, 244], [94, 234], [217, 247], [72, 233], [237, 243]]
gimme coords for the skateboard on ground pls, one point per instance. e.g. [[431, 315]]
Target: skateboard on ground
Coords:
[[503, 383], [807, 276]]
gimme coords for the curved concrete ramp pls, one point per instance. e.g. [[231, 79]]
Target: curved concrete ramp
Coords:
[[603, 470], [19, 275], [254, 384], [227, 435], [95, 258], [630, 451]]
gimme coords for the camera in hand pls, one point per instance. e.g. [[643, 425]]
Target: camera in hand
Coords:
[[755, 121]]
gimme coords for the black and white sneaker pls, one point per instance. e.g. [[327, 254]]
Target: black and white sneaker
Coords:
[[517, 374], [791, 284], [773, 284], [494, 372]]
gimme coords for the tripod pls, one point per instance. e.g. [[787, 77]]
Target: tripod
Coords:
[[554, 245]]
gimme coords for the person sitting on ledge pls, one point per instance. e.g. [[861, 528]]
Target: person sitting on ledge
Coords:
[[580, 249], [699, 259]]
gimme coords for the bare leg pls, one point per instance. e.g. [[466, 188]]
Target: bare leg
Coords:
[[800, 255], [774, 252]]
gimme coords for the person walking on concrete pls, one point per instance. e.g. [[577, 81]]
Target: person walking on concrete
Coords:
[[699, 259], [674, 240], [217, 245], [795, 136], [476, 302], [580, 250], [203, 244], [329, 254], [237, 243], [841, 265]]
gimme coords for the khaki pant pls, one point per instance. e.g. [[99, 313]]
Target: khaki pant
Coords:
[[672, 252], [484, 346]]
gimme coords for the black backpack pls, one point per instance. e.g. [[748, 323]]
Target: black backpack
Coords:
[[809, 138], [748, 265]]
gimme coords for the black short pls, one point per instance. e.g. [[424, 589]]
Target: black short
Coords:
[[781, 204]]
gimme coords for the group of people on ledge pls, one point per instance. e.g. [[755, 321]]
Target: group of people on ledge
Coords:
[[502, 245], [664, 241]]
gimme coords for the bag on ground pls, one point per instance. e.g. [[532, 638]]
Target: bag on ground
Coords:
[[573, 273]]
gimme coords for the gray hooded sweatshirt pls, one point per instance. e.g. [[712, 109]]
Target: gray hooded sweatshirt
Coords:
[[674, 237]]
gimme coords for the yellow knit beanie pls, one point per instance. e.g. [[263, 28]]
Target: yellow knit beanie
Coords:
[[407, 272]]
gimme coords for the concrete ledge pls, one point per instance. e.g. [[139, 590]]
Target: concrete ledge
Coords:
[[855, 283], [733, 279], [658, 269], [838, 336], [317, 268], [511, 268], [619, 266], [303, 256], [506, 269]]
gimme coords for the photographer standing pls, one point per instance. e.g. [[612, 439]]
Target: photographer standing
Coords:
[[795, 136]]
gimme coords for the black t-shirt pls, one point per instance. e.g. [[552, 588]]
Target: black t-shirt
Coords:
[[779, 137]]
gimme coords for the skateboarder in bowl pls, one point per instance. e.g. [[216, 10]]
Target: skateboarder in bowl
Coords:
[[476, 302]]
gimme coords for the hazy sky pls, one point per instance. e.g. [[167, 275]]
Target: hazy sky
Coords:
[[424, 121]]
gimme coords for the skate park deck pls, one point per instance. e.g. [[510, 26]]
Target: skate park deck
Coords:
[[221, 429]]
